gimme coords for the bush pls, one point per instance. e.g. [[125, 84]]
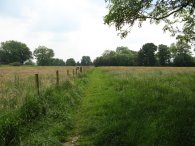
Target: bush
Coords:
[[15, 64]]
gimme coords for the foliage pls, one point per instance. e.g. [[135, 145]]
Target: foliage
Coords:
[[121, 57], [146, 55], [127, 12], [164, 55], [70, 62], [86, 61], [182, 54], [15, 64], [78, 63], [184, 60], [13, 51], [57, 62], [43, 55]]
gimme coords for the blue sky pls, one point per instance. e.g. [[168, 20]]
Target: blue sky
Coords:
[[71, 28]]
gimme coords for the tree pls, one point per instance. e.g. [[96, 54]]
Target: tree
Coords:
[[182, 54], [124, 13], [123, 50], [43, 55], [121, 57], [146, 55], [183, 47], [78, 63], [57, 62], [164, 55], [184, 60], [86, 61], [13, 51], [70, 62]]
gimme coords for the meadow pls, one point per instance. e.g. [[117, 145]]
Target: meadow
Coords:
[[18, 83], [138, 106], [105, 106]]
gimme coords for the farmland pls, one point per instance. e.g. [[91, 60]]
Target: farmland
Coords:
[[18, 83], [105, 106]]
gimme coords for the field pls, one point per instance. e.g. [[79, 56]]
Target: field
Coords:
[[109, 106], [18, 83]]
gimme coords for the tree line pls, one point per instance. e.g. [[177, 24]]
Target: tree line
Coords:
[[178, 54], [18, 53]]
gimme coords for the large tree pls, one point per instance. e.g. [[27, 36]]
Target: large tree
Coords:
[[125, 13], [86, 61], [164, 55], [14, 51], [57, 62], [70, 62], [121, 57], [43, 55], [146, 55], [181, 54]]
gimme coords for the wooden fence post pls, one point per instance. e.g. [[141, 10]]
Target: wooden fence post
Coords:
[[57, 78], [37, 83]]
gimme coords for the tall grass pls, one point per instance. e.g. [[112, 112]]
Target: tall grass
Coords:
[[155, 107], [17, 84], [44, 120]]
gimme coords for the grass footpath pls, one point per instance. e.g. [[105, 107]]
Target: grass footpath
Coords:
[[140, 110]]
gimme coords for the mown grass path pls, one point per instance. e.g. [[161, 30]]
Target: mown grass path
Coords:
[[98, 90]]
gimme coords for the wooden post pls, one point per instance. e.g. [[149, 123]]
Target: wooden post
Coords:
[[57, 78], [68, 73], [37, 83], [81, 69]]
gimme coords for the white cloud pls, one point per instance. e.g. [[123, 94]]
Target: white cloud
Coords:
[[71, 28]]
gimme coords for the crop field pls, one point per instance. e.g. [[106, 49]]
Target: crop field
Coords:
[[103, 106]]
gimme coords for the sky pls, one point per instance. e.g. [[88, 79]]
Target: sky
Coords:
[[72, 28]]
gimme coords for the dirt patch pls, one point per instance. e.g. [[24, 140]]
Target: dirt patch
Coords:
[[72, 141]]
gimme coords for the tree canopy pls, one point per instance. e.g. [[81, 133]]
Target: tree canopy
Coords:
[[43, 55], [86, 61], [70, 62], [124, 14], [146, 55], [164, 55], [121, 57], [14, 51]]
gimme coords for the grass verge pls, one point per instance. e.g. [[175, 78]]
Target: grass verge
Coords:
[[44, 120]]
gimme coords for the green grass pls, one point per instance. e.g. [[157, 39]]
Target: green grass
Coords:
[[154, 108], [108, 107], [44, 120]]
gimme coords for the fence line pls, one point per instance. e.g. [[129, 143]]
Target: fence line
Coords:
[[37, 82]]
